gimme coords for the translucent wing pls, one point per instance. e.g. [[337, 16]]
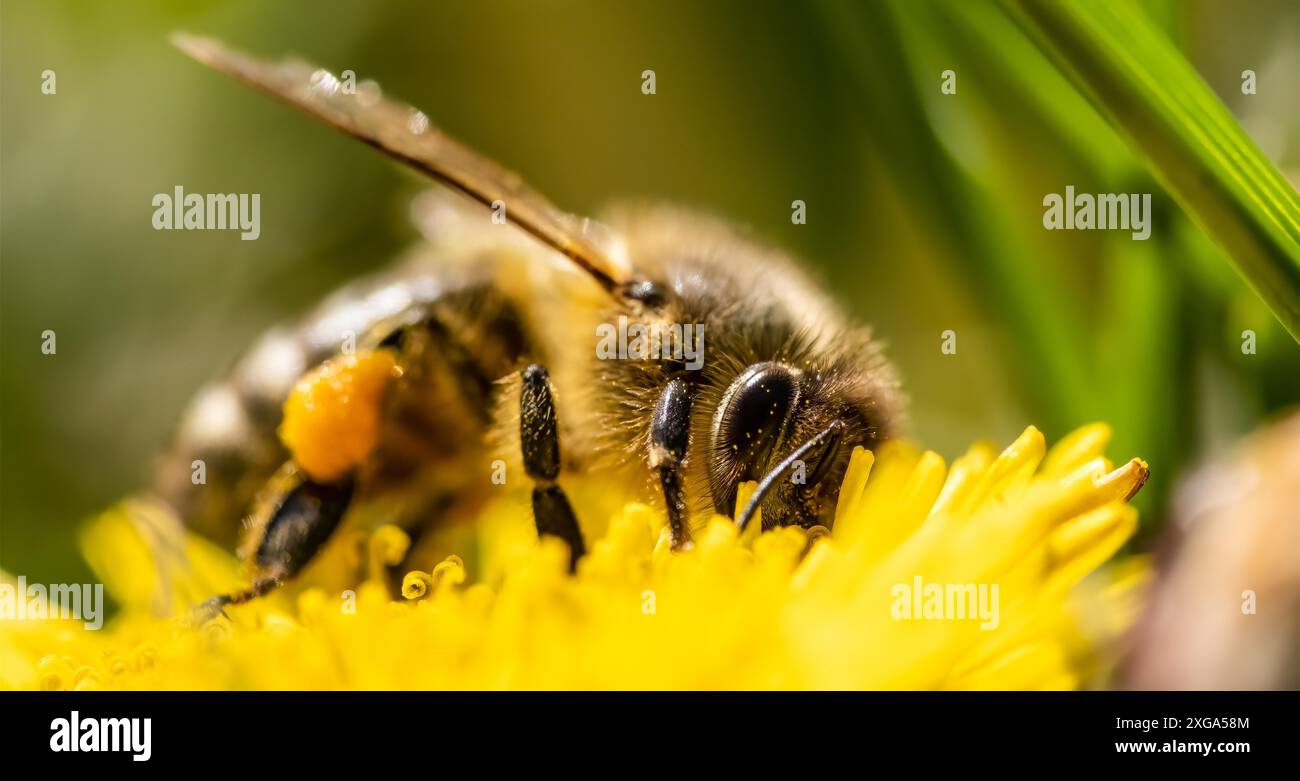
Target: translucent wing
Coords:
[[406, 134]]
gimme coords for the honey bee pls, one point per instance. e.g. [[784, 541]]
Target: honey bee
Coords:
[[390, 400]]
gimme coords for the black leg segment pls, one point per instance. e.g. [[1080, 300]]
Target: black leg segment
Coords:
[[303, 522], [540, 441], [669, 442], [305, 518]]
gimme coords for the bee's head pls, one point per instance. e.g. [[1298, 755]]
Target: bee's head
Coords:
[[793, 430]]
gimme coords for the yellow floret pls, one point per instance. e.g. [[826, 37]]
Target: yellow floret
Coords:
[[331, 419]]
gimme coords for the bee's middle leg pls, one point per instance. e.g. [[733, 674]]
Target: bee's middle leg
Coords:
[[540, 441]]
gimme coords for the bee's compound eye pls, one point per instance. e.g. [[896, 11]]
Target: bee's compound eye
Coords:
[[748, 425]]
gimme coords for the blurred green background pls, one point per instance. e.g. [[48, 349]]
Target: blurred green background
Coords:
[[924, 210]]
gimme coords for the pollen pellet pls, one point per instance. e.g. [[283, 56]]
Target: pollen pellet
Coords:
[[331, 419]]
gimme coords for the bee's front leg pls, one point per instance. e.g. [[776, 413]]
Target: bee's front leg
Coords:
[[669, 442], [540, 440]]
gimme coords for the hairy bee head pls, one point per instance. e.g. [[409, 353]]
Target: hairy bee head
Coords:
[[792, 428]]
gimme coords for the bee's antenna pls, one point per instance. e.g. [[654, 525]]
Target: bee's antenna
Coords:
[[405, 134], [771, 477]]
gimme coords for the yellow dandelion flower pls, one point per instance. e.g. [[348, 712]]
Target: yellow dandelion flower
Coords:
[[989, 573]]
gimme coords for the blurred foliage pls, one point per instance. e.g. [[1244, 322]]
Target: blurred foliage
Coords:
[[924, 209], [1190, 140]]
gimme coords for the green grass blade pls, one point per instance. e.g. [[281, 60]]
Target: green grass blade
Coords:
[[961, 215], [1188, 137]]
